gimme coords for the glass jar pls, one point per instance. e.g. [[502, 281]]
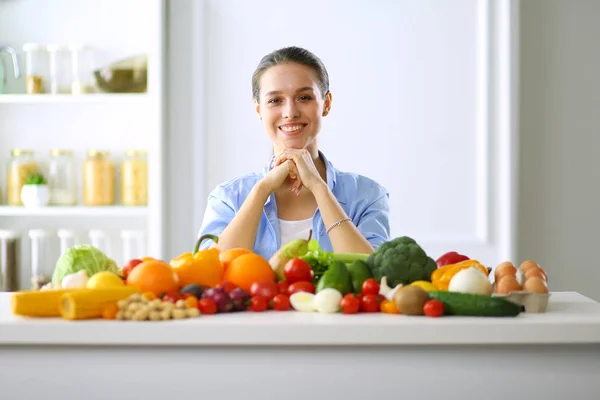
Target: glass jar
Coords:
[[82, 67], [62, 178], [21, 165], [98, 179], [61, 76], [134, 178], [36, 62], [41, 267], [9, 255]]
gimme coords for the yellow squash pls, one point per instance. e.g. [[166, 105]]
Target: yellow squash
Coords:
[[90, 303]]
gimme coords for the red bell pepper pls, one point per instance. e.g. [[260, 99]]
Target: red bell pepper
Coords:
[[451, 257]]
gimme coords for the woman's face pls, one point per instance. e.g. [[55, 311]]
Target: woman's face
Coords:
[[291, 106]]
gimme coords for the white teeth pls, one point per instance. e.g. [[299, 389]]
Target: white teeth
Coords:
[[291, 128]]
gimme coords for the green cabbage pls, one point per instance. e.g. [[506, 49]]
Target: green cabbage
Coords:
[[82, 257]]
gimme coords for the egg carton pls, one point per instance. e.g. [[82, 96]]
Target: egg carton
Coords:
[[530, 301]]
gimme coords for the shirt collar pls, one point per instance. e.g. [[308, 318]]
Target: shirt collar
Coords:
[[330, 172]]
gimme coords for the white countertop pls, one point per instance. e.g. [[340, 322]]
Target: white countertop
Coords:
[[570, 318]]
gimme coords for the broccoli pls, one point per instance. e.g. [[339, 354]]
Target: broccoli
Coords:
[[401, 260]]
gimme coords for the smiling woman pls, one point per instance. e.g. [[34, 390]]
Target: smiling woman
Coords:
[[299, 191]]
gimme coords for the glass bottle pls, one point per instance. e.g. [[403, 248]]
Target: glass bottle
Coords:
[[98, 179], [41, 267], [20, 166], [134, 178], [9, 267], [82, 66], [62, 178]]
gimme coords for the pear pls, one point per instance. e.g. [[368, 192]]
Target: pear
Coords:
[[292, 249]]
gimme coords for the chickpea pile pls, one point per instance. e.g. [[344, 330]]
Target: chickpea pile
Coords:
[[138, 308]]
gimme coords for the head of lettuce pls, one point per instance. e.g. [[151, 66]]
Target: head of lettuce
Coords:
[[82, 257]]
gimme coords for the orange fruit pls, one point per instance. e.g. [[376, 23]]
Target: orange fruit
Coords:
[[246, 269], [229, 255], [154, 276]]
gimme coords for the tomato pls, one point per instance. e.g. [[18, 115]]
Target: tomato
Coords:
[[281, 302], [284, 287], [434, 308], [130, 266], [370, 303], [350, 304], [359, 296], [258, 303], [302, 286], [265, 289], [226, 286], [370, 286], [207, 306], [297, 270]]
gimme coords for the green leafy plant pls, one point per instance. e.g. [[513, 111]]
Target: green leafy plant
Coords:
[[36, 179]]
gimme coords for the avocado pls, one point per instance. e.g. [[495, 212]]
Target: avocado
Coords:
[[359, 272], [336, 277], [476, 305]]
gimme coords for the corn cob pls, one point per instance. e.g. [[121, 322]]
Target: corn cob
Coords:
[[90, 303]]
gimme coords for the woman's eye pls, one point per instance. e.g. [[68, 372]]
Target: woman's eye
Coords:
[[273, 101], [306, 97]]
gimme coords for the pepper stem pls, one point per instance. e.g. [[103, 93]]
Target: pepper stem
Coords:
[[207, 236]]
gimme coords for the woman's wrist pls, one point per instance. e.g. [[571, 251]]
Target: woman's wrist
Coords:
[[262, 189]]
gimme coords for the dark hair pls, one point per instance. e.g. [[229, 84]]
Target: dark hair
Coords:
[[291, 55]]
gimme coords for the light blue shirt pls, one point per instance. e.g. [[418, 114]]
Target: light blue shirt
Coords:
[[363, 200]]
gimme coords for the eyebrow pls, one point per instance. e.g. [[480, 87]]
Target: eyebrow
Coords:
[[304, 89]]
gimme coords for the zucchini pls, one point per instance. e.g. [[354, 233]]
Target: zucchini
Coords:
[[476, 305]]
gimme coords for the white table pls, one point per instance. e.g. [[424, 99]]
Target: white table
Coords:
[[293, 355]]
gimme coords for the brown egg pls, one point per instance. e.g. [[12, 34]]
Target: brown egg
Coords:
[[525, 265], [536, 272], [503, 269], [507, 284], [535, 285]]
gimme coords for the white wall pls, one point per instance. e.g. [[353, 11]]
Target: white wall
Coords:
[[559, 212]]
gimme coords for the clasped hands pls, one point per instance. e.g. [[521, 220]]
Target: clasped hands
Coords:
[[298, 166]]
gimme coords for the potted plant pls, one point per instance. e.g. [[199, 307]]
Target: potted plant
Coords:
[[35, 192]]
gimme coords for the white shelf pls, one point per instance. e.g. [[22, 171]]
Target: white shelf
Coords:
[[75, 211], [70, 99]]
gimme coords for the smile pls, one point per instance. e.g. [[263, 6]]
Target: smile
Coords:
[[292, 128]]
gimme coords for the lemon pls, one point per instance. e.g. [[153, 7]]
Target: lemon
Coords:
[[426, 286], [104, 280]]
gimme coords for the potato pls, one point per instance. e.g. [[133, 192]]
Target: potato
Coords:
[[410, 300]]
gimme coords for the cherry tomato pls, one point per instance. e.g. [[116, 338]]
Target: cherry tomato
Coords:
[[226, 286], [191, 301], [281, 302], [370, 303], [267, 289], [207, 306], [258, 303], [359, 296], [283, 287], [350, 304], [433, 308], [370, 286], [301, 286], [171, 297], [297, 270]]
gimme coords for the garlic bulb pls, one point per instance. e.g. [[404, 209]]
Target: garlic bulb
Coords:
[[77, 280], [386, 291]]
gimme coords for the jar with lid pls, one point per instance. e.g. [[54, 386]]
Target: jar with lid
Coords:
[[21, 165], [36, 68], [62, 178], [9, 267], [83, 64], [98, 179], [41, 267], [61, 76], [134, 178]]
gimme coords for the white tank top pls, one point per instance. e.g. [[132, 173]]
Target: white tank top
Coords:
[[291, 230]]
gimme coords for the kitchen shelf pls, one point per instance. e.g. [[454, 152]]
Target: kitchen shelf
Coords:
[[74, 211], [71, 98]]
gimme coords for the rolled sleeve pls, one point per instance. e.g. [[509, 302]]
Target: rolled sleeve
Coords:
[[219, 213], [374, 222]]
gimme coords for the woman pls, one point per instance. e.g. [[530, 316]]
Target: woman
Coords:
[[299, 190]]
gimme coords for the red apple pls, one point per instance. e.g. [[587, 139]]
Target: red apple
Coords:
[[130, 266]]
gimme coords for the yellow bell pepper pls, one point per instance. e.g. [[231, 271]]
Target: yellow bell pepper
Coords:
[[200, 267]]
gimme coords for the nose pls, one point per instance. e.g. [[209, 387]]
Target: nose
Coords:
[[290, 110]]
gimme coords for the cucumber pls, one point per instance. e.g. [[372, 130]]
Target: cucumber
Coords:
[[476, 305], [359, 272]]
